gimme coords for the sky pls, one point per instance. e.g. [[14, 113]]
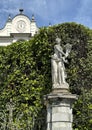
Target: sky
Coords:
[[49, 11]]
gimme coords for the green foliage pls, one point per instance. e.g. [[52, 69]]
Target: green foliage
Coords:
[[83, 111], [19, 80], [25, 73]]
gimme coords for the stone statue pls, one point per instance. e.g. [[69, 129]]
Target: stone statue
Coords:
[[57, 61]]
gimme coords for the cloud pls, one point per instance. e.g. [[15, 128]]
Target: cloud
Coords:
[[54, 11], [39, 7], [84, 15], [9, 6]]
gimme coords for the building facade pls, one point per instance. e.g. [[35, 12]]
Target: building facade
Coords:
[[18, 28]]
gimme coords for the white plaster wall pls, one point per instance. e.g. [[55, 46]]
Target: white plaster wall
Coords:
[[20, 18], [6, 30], [12, 27], [5, 42], [33, 28]]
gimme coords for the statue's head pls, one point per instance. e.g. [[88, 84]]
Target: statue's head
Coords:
[[58, 40]]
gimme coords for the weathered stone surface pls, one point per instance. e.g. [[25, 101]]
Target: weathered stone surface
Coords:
[[59, 111], [57, 65]]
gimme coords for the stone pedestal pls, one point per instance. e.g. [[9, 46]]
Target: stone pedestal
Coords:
[[59, 109]]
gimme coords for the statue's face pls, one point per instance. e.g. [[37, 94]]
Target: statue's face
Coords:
[[58, 40]]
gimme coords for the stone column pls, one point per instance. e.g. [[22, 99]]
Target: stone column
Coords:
[[59, 110]]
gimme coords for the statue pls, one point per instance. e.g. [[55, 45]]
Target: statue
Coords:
[[57, 61]]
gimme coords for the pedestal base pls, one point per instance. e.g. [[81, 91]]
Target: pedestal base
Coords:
[[59, 110], [62, 88]]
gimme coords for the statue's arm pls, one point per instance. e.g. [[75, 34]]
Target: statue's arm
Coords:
[[60, 50], [64, 60]]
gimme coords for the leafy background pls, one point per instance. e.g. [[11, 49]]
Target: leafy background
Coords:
[[25, 76]]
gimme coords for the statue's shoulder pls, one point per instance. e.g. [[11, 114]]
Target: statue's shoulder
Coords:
[[57, 46]]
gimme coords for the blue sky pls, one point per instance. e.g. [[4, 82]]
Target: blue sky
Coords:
[[49, 11]]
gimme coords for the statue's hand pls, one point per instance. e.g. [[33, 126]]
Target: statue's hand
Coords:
[[66, 61], [66, 55]]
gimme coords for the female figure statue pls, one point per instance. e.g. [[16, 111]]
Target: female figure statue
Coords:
[[57, 61]]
